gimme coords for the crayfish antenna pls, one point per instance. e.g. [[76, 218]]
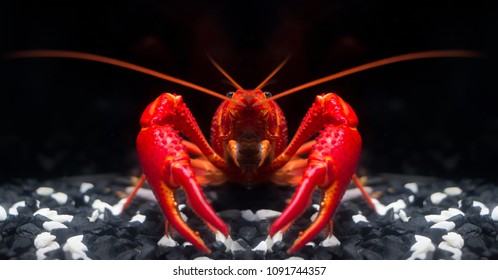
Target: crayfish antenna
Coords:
[[112, 61], [265, 81], [222, 71], [378, 63]]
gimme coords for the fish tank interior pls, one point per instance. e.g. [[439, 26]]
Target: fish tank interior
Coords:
[[429, 127]]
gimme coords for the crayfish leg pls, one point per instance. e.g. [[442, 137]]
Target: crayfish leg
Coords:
[[365, 194], [133, 193]]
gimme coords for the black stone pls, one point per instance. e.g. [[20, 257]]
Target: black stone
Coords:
[[468, 228], [29, 229], [248, 233]]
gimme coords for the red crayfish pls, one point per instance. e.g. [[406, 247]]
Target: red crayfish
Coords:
[[248, 145]]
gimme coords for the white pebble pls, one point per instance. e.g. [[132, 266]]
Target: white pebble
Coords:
[[277, 237], [248, 215], [202, 258], [411, 198], [412, 187], [181, 207], [52, 215], [421, 248], [484, 208], [266, 214], [494, 214], [316, 207], [13, 208], [313, 217], [185, 244], [236, 247], [351, 194], [330, 241], [145, 194], [138, 218], [44, 191], [382, 209], [454, 239], [86, 198], [167, 241], [94, 217], [84, 187], [453, 191], [61, 198], [261, 247], [40, 253], [457, 253], [50, 225], [437, 197], [228, 244], [403, 216], [115, 209], [445, 215], [76, 248], [3, 214], [220, 237], [293, 258], [43, 239], [359, 218], [444, 225]]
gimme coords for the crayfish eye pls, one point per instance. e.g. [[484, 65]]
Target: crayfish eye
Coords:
[[230, 94], [267, 94]]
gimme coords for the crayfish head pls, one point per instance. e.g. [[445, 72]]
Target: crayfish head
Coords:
[[247, 131]]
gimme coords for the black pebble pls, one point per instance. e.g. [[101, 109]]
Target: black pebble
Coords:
[[468, 228], [29, 229], [62, 234], [248, 233], [350, 252]]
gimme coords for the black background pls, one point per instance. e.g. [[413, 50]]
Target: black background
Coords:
[[62, 117]]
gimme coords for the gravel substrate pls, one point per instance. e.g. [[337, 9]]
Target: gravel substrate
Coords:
[[418, 218]]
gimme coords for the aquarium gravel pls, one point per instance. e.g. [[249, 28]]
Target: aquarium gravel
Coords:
[[80, 218]]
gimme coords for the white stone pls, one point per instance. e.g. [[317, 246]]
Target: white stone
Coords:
[[457, 253], [421, 248], [437, 197], [277, 237], [115, 209], [86, 198], [453, 191], [313, 217], [412, 187], [145, 194], [261, 247], [138, 218], [484, 208], [167, 241], [411, 198], [316, 206], [351, 194], [60, 197], [359, 218], [40, 253], [445, 215], [295, 258], [494, 214], [52, 215], [50, 225], [13, 208], [248, 215], [184, 217], [444, 225], [269, 243], [382, 209], [266, 214], [228, 243], [43, 239], [181, 207], [3, 214], [403, 216], [84, 187], [454, 239], [76, 248], [330, 241], [220, 237], [202, 258], [236, 247], [95, 216], [44, 191], [185, 244]]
